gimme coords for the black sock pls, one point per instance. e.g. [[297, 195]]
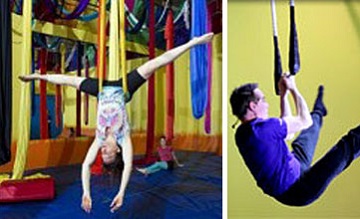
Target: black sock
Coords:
[[319, 106]]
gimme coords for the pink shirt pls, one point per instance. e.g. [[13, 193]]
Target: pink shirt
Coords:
[[165, 153]]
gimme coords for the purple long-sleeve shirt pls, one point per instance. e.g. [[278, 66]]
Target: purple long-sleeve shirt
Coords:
[[261, 143]]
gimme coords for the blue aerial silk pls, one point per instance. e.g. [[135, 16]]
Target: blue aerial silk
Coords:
[[198, 59]]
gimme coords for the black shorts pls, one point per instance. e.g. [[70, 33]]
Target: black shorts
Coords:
[[134, 80]]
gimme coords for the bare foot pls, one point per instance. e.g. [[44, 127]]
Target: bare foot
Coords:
[[27, 78], [204, 38], [142, 170]]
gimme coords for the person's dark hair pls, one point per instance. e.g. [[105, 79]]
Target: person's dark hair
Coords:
[[115, 168], [241, 98], [164, 137]]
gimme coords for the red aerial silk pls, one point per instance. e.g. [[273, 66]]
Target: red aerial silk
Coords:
[[78, 93], [86, 103], [44, 132], [58, 102], [151, 88], [170, 97]]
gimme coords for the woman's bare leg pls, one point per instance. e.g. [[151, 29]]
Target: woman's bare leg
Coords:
[[147, 69], [57, 79]]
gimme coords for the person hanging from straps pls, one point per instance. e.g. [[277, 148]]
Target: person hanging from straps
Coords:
[[113, 131], [288, 176]]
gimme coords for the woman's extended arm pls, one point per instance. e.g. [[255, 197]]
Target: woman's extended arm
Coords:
[[127, 154], [85, 175]]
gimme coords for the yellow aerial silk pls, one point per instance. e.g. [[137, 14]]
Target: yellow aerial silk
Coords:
[[114, 43], [62, 71], [24, 116], [123, 45]]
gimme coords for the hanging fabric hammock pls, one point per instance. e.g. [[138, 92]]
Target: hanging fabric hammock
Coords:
[[294, 56], [151, 86], [24, 117], [86, 103], [44, 128], [58, 101], [101, 64], [170, 96], [207, 122], [114, 67], [78, 93], [5, 82], [198, 59], [277, 56], [123, 50]]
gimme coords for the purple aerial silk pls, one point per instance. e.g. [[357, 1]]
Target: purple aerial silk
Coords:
[[208, 107]]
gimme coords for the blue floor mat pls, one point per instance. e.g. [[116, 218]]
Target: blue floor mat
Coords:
[[193, 191]]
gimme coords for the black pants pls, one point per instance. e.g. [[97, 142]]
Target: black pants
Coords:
[[134, 80], [315, 179]]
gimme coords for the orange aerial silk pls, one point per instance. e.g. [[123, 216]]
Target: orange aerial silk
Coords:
[[101, 64]]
